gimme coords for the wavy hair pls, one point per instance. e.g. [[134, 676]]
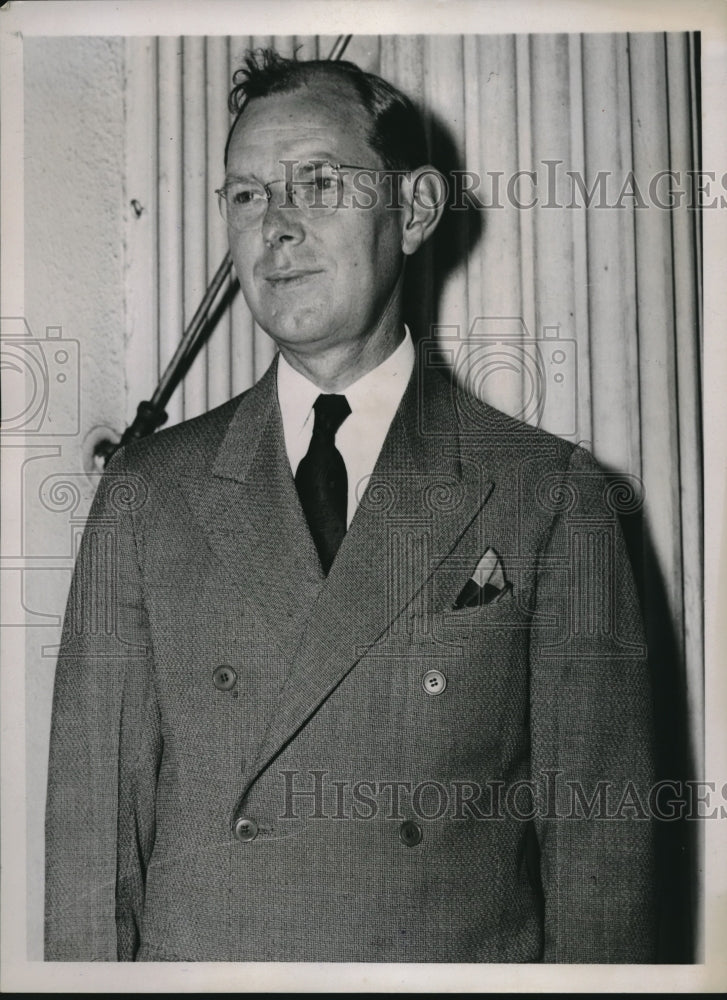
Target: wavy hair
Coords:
[[396, 132]]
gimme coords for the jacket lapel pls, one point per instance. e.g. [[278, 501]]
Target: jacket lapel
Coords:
[[250, 512], [421, 500]]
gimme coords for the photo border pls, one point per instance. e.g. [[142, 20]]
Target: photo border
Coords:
[[331, 17]]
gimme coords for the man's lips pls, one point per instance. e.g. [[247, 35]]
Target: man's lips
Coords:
[[290, 276]]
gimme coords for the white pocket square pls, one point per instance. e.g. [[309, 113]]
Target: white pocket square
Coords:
[[487, 585]]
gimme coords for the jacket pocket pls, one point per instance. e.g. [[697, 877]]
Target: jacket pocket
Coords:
[[462, 624]]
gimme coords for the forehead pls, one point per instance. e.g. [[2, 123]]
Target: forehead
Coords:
[[319, 119]]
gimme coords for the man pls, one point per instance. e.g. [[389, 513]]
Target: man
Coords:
[[352, 668]]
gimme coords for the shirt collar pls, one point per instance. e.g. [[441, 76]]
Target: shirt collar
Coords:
[[371, 393]]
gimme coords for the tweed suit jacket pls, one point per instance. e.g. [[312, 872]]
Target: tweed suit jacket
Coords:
[[381, 822]]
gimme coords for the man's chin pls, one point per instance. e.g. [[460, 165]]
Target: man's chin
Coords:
[[295, 330]]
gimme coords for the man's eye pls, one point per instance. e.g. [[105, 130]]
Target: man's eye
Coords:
[[242, 196], [324, 181], [321, 177]]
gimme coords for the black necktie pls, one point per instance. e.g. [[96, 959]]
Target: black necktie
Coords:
[[321, 479]]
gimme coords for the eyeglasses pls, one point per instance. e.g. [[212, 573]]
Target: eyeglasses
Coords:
[[316, 187]]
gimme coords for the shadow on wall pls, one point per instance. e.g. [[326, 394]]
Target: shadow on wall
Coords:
[[456, 237]]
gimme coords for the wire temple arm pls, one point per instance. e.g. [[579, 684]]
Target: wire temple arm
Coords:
[[150, 414]]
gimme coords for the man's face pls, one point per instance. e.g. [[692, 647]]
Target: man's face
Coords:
[[313, 282]]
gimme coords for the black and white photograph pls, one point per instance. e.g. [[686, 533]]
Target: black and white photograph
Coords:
[[363, 468]]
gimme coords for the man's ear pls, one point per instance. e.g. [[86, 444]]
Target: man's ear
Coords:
[[424, 195]]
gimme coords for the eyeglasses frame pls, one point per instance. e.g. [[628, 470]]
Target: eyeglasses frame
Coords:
[[221, 192]]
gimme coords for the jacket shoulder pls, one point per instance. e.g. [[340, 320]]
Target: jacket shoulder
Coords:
[[484, 426], [189, 446]]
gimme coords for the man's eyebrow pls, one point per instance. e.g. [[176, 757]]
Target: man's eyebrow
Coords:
[[285, 161], [239, 177], [316, 157], [321, 156]]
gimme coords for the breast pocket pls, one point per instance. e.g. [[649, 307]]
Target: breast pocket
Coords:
[[467, 627]]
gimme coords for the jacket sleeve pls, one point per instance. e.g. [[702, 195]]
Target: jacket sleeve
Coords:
[[105, 742], [591, 728]]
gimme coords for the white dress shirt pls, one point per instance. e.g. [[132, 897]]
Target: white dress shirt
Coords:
[[373, 399]]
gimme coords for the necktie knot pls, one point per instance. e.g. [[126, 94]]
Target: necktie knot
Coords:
[[330, 410]]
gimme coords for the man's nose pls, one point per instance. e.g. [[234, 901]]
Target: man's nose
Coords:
[[282, 222]]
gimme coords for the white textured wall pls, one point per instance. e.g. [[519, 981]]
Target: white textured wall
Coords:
[[74, 156]]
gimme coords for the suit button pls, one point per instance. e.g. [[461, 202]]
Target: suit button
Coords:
[[410, 833], [434, 682], [224, 678], [245, 830]]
